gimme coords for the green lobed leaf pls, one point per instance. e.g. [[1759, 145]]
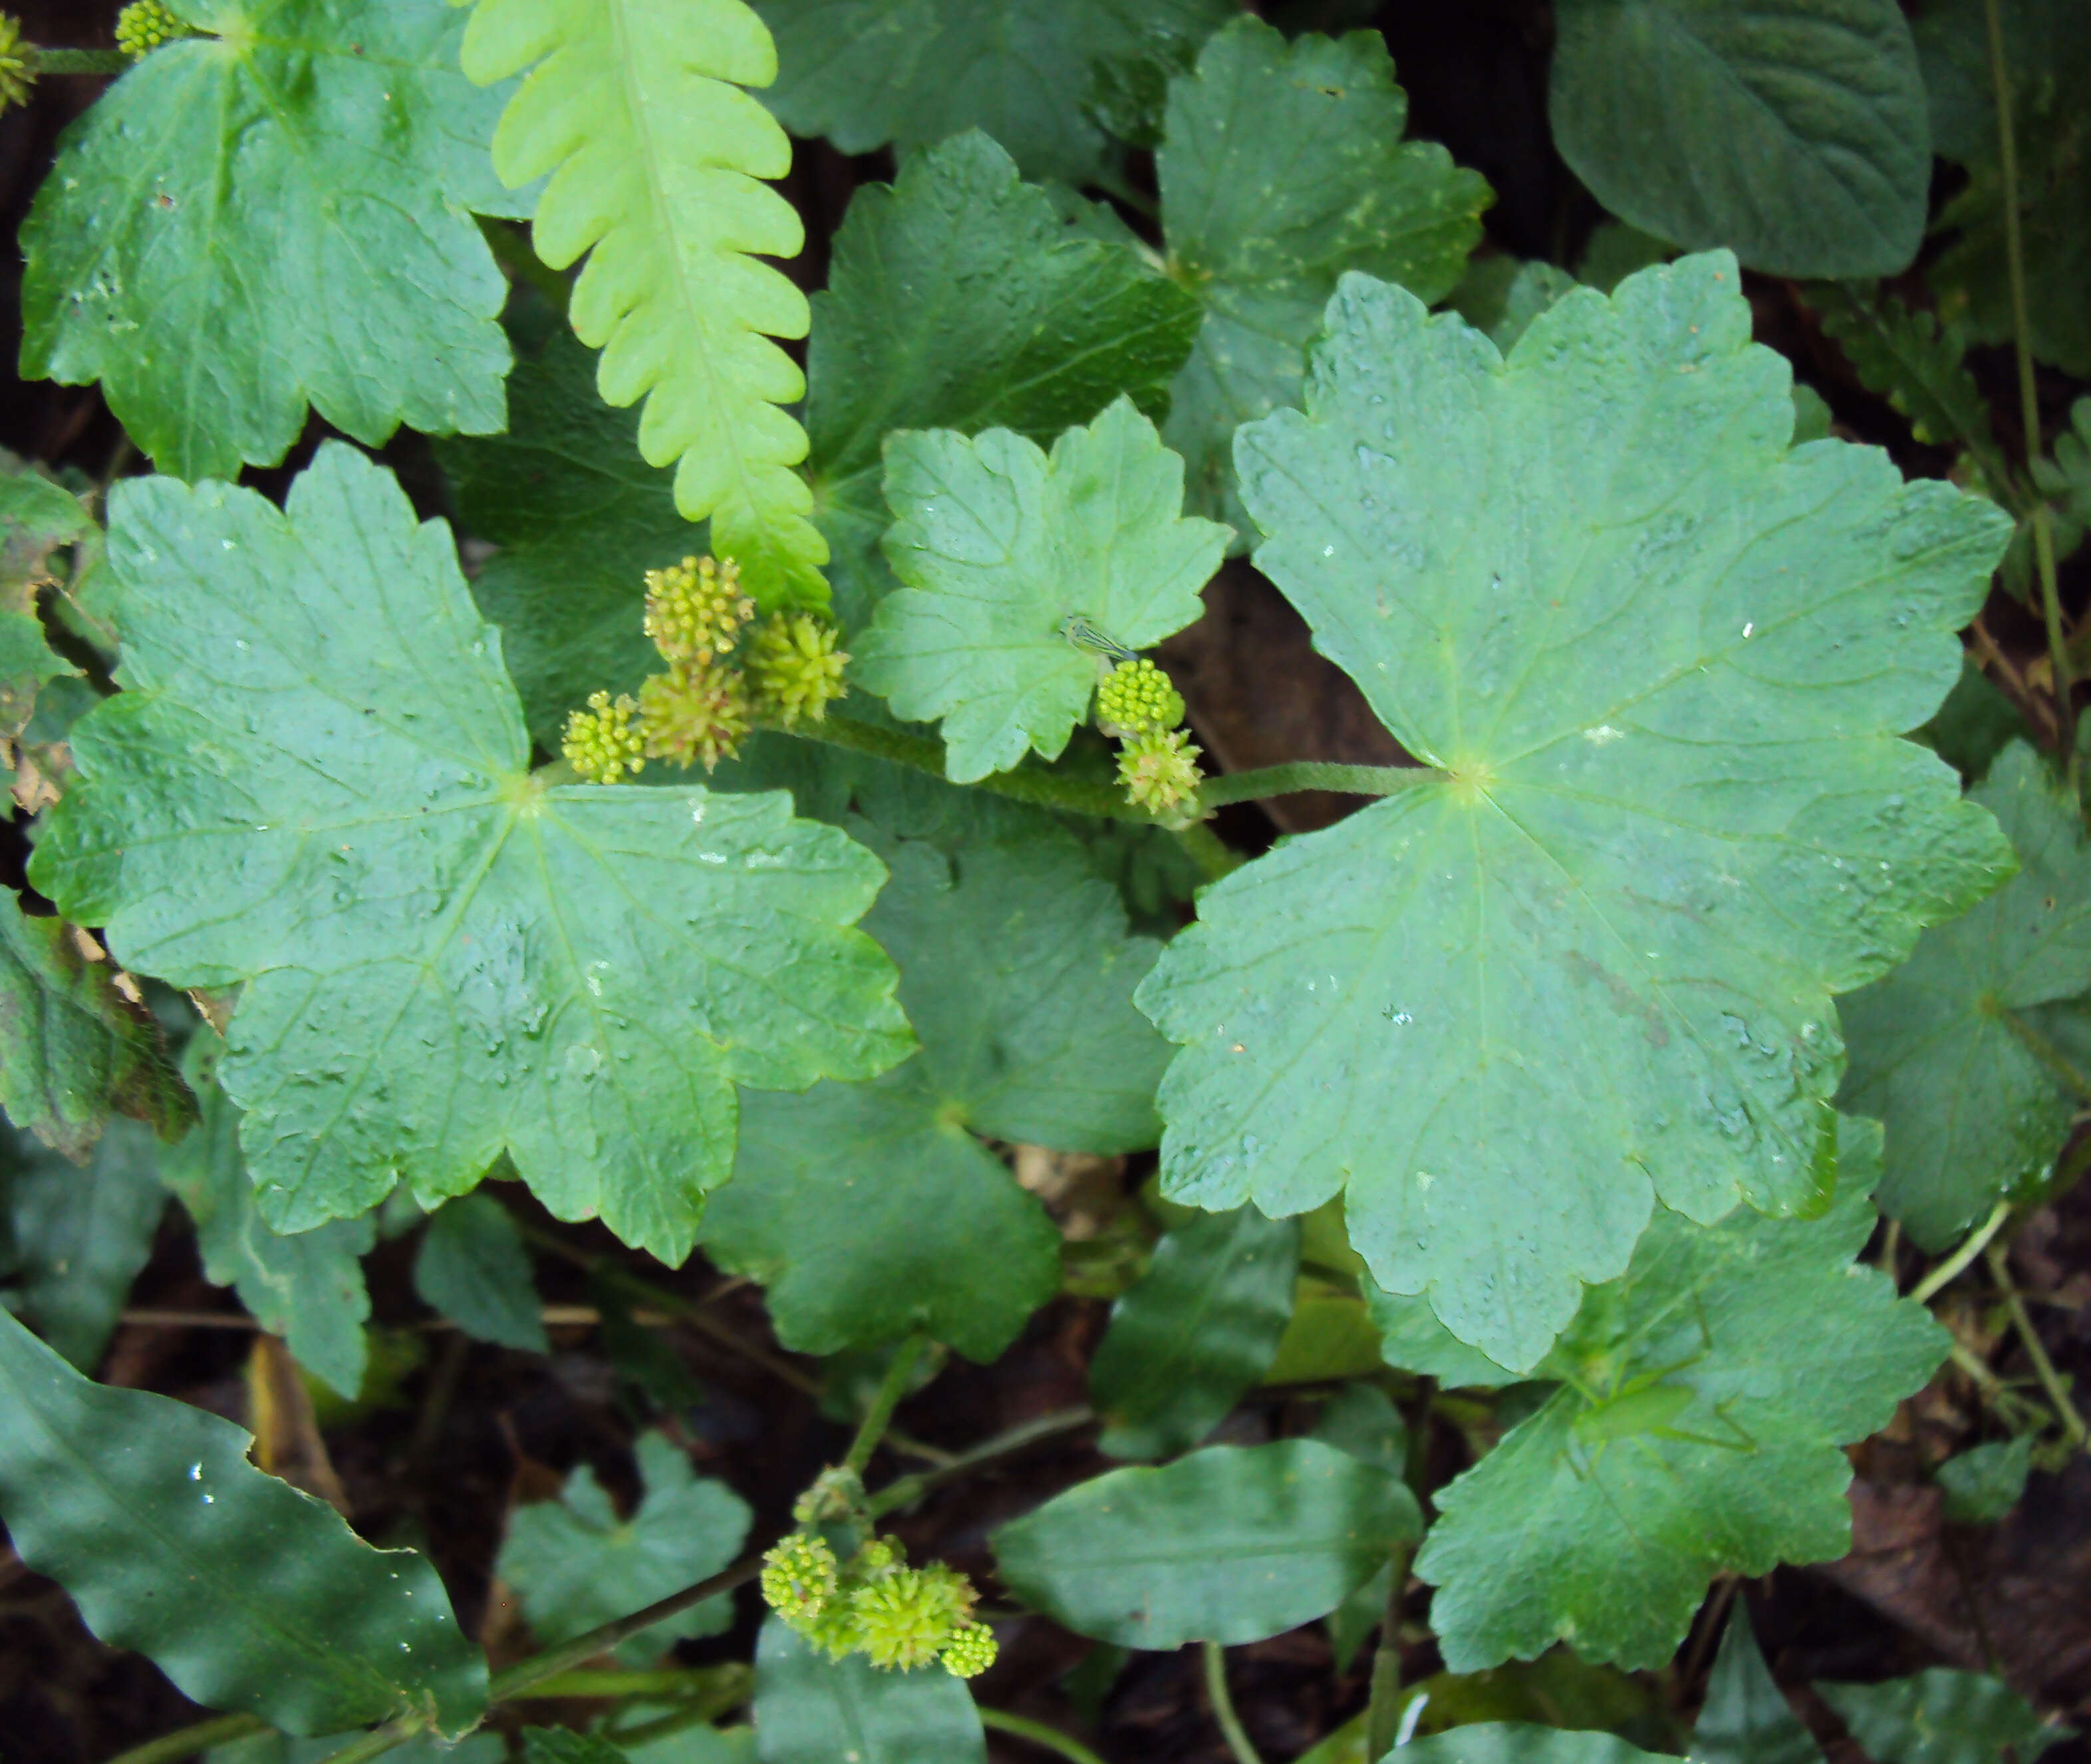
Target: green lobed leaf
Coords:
[[1949, 1049], [956, 299], [575, 1565], [1696, 1429], [37, 517], [81, 1236], [73, 1048], [1941, 1717], [247, 1593], [1795, 132], [1500, 296], [314, 783], [867, 72], [1746, 1719], [306, 1288], [1230, 1544], [997, 546], [472, 1269], [1491, 1742], [1282, 165], [275, 213], [812, 1710], [1982, 1484], [1551, 576], [1195, 1333], [658, 154], [869, 1210], [1412, 1340], [1975, 724], [1911, 358]]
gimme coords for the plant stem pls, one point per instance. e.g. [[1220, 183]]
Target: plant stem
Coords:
[[39, 61], [2043, 533], [1042, 789], [198, 1736], [891, 1388], [2051, 1380], [904, 1491], [707, 1683], [1313, 774], [1223, 1706], [1383, 1712], [1977, 1241], [1039, 1734]]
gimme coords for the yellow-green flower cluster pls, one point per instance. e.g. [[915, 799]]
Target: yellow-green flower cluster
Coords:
[[1135, 698], [695, 608], [143, 25], [698, 710], [795, 668], [1160, 772], [1158, 763], [16, 79], [899, 1617], [601, 745]]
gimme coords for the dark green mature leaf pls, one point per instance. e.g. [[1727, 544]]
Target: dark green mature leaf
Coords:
[[1793, 131], [868, 1210], [1500, 296], [315, 783], [1551, 577], [1412, 1340], [865, 72], [1493, 1742], [575, 1565], [1911, 359], [277, 214], [956, 299], [811, 1710], [1947, 1049], [1704, 1395], [1746, 1719], [563, 1745], [73, 1048], [121, 1497], [998, 546], [37, 517], [481, 1748], [1283, 165], [81, 1236], [1362, 1420], [1230, 1544], [1975, 724], [1195, 1332], [1941, 1717], [473, 1268], [307, 1288], [1982, 1484], [580, 518]]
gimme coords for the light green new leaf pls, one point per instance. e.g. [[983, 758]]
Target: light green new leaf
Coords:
[[1552, 577], [473, 1268], [81, 1236], [635, 107], [1941, 1717], [1511, 1742], [1195, 1333], [122, 1498], [1795, 132], [868, 1210], [277, 213], [957, 299], [1746, 1719], [1982, 1484], [307, 1287], [575, 1565], [865, 72], [1949, 1049], [1229, 1545], [811, 1710], [998, 546], [1282, 165], [1705, 1395], [74, 1048], [579, 518], [315, 783]]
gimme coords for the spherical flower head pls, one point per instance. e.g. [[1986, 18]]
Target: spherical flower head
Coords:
[[143, 25], [798, 1577], [795, 668], [906, 1618], [835, 1630], [877, 1558], [696, 711], [600, 744], [1135, 698], [1160, 772], [696, 609], [971, 1651], [16, 79]]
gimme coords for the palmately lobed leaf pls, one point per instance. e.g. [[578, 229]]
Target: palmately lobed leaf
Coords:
[[314, 783], [1663, 665], [277, 213], [658, 156]]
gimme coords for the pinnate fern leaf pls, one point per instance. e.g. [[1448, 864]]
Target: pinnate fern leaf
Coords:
[[637, 110]]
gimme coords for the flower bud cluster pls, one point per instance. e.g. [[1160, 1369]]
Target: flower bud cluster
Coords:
[[703, 706], [899, 1617], [16, 79], [143, 25], [1157, 762]]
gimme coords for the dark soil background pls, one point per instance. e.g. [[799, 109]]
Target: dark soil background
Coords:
[[471, 1429]]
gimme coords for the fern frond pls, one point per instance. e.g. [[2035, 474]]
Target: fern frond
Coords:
[[636, 108]]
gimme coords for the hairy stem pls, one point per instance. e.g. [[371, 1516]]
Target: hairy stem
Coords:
[[907, 1489], [1313, 774], [1040, 789], [1383, 1712], [198, 1736], [1223, 1706], [2043, 532], [1039, 1734], [40, 61], [2051, 1381], [1977, 1241], [884, 1400]]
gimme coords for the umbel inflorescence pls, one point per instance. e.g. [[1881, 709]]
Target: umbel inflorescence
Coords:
[[715, 686], [1157, 762], [143, 25]]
